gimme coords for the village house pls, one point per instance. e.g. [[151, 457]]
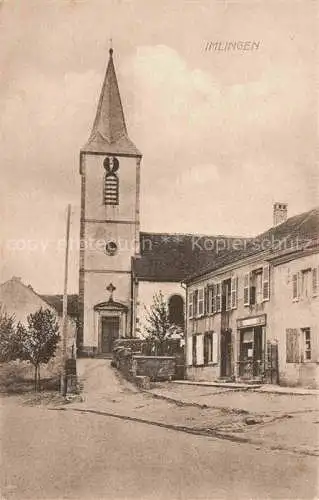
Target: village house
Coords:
[[254, 313], [20, 300]]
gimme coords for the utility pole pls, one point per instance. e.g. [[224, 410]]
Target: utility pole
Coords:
[[65, 306]]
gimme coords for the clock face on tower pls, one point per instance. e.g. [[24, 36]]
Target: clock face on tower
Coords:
[[111, 248], [111, 164]]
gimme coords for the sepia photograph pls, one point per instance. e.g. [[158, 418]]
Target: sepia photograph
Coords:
[[159, 250]]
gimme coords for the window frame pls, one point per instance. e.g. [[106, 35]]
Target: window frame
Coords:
[[218, 297], [200, 303], [234, 292], [190, 305], [210, 339], [265, 281], [247, 289], [111, 188], [306, 350], [306, 283], [295, 287]]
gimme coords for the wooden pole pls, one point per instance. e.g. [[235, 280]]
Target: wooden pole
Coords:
[[65, 306]]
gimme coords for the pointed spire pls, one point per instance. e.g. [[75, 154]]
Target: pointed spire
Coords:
[[109, 132]]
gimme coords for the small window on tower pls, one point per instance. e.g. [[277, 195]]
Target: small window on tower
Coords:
[[111, 181]]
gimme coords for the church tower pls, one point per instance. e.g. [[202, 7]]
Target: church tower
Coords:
[[109, 225]]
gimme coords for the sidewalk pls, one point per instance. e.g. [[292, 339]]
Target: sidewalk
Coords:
[[254, 387], [273, 419], [266, 420], [252, 400]]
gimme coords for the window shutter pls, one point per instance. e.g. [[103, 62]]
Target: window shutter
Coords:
[[265, 283], [206, 300], [292, 346], [218, 297], [295, 286], [315, 272], [210, 300], [194, 350], [200, 307], [200, 349], [247, 289], [190, 304], [195, 303], [215, 348], [234, 292], [189, 351], [206, 340], [213, 305]]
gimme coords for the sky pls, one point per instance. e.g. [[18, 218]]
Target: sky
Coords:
[[224, 134]]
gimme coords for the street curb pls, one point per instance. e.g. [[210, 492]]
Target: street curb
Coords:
[[251, 388], [225, 385], [180, 402], [210, 433]]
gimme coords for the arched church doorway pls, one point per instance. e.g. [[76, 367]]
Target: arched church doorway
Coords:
[[176, 310]]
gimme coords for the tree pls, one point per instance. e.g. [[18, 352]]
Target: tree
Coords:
[[38, 341], [9, 348], [159, 327]]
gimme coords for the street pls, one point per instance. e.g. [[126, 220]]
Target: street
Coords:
[[63, 452]]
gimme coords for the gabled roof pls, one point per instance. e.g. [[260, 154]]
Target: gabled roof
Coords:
[[295, 234], [174, 256], [56, 301], [109, 132], [14, 294]]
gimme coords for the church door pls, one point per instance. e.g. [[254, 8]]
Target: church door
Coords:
[[110, 332]]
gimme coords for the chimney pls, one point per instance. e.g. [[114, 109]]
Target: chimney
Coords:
[[280, 213]]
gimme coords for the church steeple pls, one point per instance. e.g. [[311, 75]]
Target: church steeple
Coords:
[[109, 132]]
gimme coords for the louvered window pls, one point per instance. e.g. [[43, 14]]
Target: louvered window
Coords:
[[111, 181]]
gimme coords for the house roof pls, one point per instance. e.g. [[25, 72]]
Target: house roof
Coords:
[[296, 233], [109, 132], [174, 256], [15, 294], [56, 301]]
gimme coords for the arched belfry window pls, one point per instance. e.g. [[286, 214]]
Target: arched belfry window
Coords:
[[176, 310], [111, 181]]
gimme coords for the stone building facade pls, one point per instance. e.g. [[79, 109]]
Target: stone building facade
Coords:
[[254, 314]]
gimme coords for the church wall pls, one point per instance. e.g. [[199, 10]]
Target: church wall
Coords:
[[96, 237], [94, 206], [95, 293], [102, 224], [145, 294]]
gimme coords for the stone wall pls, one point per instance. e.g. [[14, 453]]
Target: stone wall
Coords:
[[154, 367]]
